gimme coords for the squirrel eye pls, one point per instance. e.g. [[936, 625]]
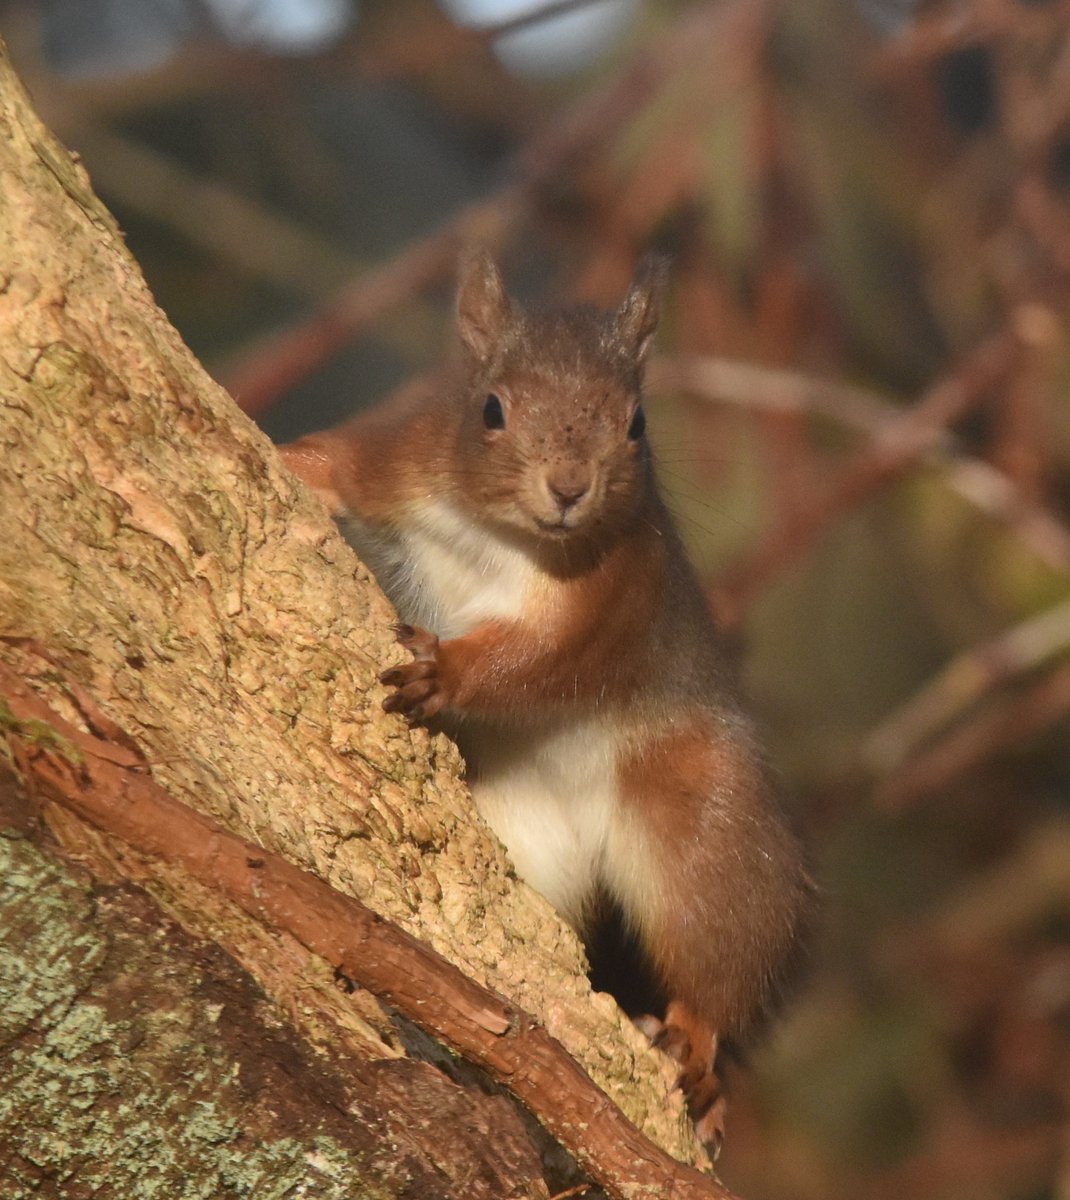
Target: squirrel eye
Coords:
[[638, 425], [493, 414]]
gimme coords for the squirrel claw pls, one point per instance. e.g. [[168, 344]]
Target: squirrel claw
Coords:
[[420, 643], [709, 1128], [409, 673], [694, 1048], [418, 694]]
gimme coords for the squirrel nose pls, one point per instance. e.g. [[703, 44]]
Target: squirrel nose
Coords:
[[569, 485]]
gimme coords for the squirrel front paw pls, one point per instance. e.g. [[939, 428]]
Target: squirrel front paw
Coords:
[[419, 692]]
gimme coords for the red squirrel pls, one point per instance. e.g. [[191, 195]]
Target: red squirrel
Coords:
[[561, 637]]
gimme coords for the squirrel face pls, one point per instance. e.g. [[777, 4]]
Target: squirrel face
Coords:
[[551, 446], [551, 441]]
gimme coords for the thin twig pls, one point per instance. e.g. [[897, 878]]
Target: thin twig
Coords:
[[930, 38], [273, 364], [965, 680], [580, 1190], [768, 389], [895, 446], [208, 213], [971, 744], [266, 370], [449, 42]]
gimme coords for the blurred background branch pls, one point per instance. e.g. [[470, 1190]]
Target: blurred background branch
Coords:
[[859, 407]]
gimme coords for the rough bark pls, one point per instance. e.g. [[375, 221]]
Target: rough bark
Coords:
[[104, 783], [138, 1060], [160, 568]]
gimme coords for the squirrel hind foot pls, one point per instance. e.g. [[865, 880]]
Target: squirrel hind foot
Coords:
[[691, 1043], [710, 1126]]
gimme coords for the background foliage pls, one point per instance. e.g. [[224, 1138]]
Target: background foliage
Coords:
[[860, 410]]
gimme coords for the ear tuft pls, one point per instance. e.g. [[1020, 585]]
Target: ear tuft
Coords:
[[637, 317], [483, 309]]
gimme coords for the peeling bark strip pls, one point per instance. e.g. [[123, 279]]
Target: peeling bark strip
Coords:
[[81, 771]]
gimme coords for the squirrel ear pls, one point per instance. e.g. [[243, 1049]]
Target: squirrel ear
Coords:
[[483, 308], [637, 317]]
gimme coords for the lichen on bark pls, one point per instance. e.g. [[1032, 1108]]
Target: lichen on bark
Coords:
[[140, 1062], [113, 1071]]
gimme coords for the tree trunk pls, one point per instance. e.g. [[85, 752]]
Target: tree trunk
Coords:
[[138, 1059], [178, 605]]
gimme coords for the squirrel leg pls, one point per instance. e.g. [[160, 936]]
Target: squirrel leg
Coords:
[[717, 906], [496, 667]]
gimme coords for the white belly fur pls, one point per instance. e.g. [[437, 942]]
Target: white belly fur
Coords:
[[443, 572], [552, 799], [551, 796]]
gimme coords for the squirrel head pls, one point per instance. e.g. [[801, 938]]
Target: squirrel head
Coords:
[[551, 441]]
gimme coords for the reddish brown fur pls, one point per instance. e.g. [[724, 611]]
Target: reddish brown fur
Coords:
[[703, 798], [617, 624], [573, 653]]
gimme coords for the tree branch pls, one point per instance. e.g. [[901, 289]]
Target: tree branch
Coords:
[[105, 783], [267, 369], [898, 444]]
